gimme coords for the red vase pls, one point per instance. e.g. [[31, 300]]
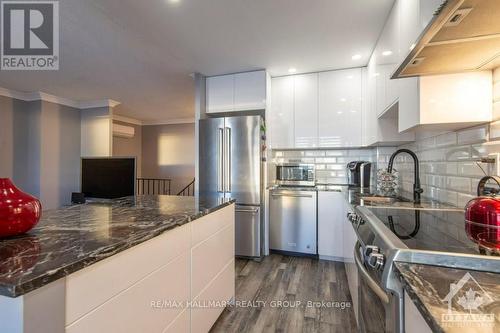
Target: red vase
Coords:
[[19, 212]]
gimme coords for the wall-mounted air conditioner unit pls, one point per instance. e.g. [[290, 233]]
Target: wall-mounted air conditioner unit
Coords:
[[123, 131]]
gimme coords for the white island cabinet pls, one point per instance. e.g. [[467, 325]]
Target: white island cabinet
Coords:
[[176, 282]]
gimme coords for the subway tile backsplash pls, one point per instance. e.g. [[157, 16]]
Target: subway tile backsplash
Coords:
[[330, 164], [450, 167]]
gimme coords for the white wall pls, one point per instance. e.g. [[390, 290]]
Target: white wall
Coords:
[[96, 132], [129, 147]]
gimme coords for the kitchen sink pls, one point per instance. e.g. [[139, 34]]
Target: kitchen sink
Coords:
[[382, 199]]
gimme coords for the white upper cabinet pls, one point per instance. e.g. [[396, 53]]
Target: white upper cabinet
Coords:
[[236, 92], [220, 93], [306, 110], [281, 116], [450, 102], [444, 102], [316, 110], [386, 61], [377, 130], [340, 113], [250, 91]]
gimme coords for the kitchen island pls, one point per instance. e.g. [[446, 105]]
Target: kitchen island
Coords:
[[445, 309], [147, 263]]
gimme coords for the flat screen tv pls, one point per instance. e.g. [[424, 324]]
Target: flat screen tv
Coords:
[[108, 178]]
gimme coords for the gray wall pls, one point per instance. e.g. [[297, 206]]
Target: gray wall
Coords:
[[129, 147], [6, 137], [26, 127], [168, 151], [60, 154], [40, 149]]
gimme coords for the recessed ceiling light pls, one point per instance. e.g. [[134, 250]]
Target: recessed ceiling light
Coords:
[[356, 57], [292, 70], [387, 53], [376, 74], [174, 1], [343, 100], [350, 77]]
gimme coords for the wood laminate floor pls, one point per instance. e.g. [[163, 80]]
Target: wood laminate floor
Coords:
[[283, 278]]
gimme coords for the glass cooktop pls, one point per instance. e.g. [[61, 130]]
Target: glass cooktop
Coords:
[[431, 230]]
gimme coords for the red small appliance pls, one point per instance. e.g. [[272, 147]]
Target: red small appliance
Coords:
[[19, 211], [482, 218]]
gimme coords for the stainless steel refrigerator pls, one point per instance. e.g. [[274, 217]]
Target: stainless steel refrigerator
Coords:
[[230, 165]]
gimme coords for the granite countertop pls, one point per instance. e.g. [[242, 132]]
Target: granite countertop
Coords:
[[354, 196], [69, 239], [429, 288]]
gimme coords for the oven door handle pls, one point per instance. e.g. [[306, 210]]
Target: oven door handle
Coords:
[[369, 280]]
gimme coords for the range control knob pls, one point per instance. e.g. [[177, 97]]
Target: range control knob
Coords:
[[369, 249], [376, 260], [360, 221], [352, 217]]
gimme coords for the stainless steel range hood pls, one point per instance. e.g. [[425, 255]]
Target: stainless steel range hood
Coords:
[[464, 35]]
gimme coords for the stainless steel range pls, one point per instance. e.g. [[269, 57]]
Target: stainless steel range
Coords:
[[426, 236]]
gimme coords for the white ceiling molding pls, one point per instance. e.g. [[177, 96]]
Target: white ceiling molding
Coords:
[[98, 104], [41, 96], [169, 122], [127, 120]]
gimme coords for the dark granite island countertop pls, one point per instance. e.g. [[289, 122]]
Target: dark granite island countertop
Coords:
[[69, 239], [475, 303]]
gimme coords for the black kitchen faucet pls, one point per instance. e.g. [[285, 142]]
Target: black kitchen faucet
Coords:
[[417, 190]]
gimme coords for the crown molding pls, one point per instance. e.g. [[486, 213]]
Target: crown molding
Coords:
[[175, 121], [127, 120], [41, 96]]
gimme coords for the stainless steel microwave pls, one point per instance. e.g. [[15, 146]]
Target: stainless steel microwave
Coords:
[[295, 174]]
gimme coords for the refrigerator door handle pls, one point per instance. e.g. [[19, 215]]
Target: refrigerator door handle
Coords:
[[220, 160], [227, 170]]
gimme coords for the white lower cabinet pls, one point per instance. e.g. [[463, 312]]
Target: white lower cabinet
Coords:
[[149, 287], [414, 322], [132, 310], [331, 220]]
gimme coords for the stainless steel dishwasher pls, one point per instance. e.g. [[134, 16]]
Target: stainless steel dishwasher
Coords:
[[292, 223]]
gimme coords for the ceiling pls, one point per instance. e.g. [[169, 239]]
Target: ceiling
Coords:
[[141, 53]]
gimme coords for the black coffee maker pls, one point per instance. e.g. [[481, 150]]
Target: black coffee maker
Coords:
[[359, 173]]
